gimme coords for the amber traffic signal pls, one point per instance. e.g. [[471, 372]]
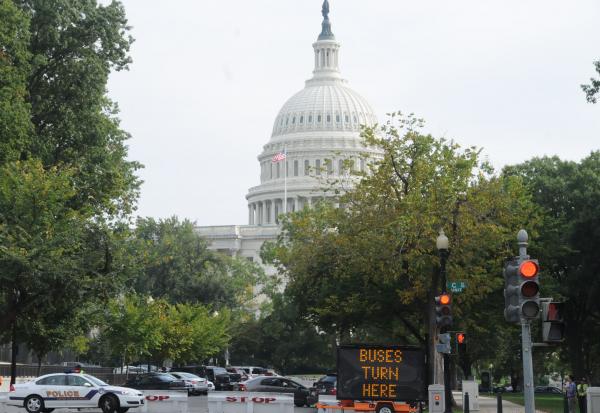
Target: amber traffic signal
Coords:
[[521, 290], [443, 310]]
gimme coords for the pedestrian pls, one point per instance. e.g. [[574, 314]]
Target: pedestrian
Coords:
[[582, 387], [571, 394]]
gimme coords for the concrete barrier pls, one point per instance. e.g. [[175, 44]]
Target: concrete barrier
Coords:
[[250, 402], [157, 401]]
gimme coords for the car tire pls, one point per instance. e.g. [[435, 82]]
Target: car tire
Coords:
[[109, 404], [385, 408], [34, 404]]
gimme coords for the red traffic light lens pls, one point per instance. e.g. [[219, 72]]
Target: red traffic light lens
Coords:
[[460, 338], [444, 299], [530, 289], [528, 269]]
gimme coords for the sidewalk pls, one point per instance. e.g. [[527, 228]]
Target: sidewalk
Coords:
[[489, 405]]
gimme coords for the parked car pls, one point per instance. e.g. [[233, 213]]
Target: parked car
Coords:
[[302, 395], [253, 371], [72, 391], [198, 385], [236, 375], [547, 390], [211, 386], [157, 381], [326, 384], [129, 370], [217, 375]]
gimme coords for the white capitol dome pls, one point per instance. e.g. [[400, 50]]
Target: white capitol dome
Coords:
[[319, 130], [346, 108]]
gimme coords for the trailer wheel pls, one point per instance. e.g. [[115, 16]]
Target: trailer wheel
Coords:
[[385, 408]]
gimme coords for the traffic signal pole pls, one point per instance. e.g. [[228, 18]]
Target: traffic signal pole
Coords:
[[522, 239], [527, 367]]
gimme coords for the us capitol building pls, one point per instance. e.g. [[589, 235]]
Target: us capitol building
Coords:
[[319, 131]]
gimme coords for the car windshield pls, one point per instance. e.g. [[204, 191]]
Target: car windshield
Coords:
[[219, 370], [185, 375], [94, 380], [329, 379]]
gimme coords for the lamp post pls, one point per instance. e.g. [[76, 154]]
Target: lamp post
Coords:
[[441, 244]]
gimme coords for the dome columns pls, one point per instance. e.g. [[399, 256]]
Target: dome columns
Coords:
[[327, 60]]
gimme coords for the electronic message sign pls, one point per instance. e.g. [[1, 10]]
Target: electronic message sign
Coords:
[[371, 372]]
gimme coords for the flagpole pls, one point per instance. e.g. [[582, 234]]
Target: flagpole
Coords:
[[285, 182]]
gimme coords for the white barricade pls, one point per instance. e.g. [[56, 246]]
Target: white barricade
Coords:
[[593, 400], [471, 387], [250, 402], [158, 401]]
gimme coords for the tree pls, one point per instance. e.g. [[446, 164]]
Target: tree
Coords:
[[373, 263], [54, 259], [176, 264], [131, 328], [62, 204], [74, 46], [569, 195], [284, 340], [190, 333], [593, 89], [15, 125], [139, 328]]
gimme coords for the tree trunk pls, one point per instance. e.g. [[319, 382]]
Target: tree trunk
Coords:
[[39, 369], [14, 352]]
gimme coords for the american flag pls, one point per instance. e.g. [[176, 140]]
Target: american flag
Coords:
[[278, 157]]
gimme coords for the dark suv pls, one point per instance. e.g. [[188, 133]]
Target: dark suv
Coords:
[[326, 384], [217, 375], [156, 381]]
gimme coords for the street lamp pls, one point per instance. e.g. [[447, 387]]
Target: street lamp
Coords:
[[442, 244]]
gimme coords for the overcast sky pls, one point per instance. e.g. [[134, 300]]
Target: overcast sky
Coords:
[[209, 77]]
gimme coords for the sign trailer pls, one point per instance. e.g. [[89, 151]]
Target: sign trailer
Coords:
[[375, 372]]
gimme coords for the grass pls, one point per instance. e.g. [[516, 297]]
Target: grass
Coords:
[[551, 403]]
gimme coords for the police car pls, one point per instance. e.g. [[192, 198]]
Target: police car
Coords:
[[72, 391]]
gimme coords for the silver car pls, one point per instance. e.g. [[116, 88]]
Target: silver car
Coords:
[[198, 385]]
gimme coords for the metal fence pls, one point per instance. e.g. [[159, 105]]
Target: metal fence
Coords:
[[30, 370]]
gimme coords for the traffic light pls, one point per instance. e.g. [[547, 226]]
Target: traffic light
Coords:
[[530, 288], [443, 345], [461, 342], [443, 310], [521, 290], [553, 325], [511, 291]]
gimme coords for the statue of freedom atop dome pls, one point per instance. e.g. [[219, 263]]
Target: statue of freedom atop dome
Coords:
[[326, 33]]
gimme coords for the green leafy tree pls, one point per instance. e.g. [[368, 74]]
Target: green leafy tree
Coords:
[[569, 194], [190, 333], [176, 264], [284, 340], [373, 263], [593, 89], [131, 329], [15, 124], [74, 45], [55, 260]]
